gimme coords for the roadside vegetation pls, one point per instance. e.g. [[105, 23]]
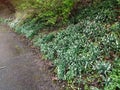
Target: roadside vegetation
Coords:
[[80, 37]]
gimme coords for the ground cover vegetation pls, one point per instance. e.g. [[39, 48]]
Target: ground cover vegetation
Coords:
[[86, 53]]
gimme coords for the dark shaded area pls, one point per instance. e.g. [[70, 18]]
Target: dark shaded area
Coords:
[[8, 4]]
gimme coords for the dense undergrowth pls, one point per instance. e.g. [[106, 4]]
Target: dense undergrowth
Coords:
[[101, 12], [86, 53]]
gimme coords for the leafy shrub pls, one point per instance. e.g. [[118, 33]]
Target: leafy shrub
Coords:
[[24, 4], [82, 52], [101, 12], [49, 11], [3, 20], [114, 83], [55, 10], [29, 27], [118, 1], [45, 14]]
